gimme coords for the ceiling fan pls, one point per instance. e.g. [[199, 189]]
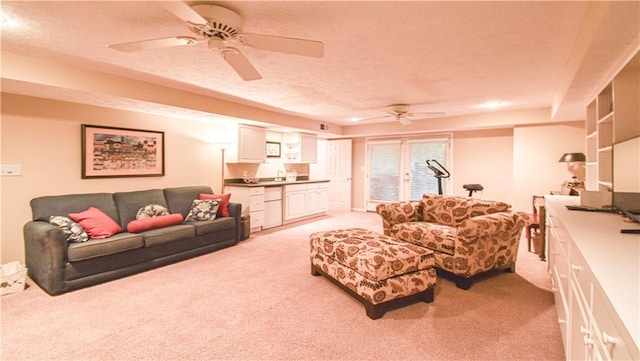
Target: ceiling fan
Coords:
[[221, 27], [402, 114]]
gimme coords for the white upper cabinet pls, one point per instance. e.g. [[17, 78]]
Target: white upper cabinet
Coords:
[[249, 146], [300, 148]]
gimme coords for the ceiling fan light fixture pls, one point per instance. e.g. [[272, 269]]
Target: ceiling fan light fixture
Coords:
[[216, 44]]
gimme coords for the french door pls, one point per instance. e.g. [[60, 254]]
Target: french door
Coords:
[[397, 169]]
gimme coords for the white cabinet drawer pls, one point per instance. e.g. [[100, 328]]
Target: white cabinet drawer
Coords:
[[257, 219], [606, 330], [254, 191], [256, 203], [272, 193], [319, 185], [295, 188]]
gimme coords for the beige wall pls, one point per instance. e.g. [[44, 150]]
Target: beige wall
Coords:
[[536, 152], [484, 157]]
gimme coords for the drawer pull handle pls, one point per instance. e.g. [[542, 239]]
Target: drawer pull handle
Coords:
[[608, 339], [561, 321], [575, 267], [563, 276], [554, 289]]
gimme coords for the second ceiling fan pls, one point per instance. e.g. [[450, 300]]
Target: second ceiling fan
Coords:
[[220, 28], [402, 114]]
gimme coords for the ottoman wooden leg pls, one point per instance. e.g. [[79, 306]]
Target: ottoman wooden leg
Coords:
[[314, 271]]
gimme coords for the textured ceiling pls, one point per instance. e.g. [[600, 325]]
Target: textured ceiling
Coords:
[[443, 56]]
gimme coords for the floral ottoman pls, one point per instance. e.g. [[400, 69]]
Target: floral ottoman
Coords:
[[380, 272]]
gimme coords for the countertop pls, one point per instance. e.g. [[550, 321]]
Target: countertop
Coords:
[[271, 183]]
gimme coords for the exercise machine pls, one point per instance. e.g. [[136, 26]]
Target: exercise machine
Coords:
[[439, 171]]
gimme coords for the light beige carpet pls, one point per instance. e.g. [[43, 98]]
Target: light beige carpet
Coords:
[[258, 301]]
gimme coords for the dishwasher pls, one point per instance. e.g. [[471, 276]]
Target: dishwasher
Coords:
[[272, 207]]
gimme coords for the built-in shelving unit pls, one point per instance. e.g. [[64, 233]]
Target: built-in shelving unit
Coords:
[[612, 117]]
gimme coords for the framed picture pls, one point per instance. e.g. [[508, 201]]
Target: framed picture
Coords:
[[273, 149], [109, 152]]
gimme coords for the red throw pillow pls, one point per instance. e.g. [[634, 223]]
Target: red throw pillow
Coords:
[[223, 210], [145, 224], [96, 223]]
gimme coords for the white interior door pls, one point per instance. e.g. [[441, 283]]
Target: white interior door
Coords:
[[339, 174]]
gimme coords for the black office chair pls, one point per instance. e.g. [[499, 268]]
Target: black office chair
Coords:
[[473, 188]]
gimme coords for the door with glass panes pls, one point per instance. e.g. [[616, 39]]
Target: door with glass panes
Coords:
[[397, 169]]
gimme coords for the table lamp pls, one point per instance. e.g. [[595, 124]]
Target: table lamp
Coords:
[[575, 166]]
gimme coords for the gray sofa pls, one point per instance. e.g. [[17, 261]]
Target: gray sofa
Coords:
[[59, 266]]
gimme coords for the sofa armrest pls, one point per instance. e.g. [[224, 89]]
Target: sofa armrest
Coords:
[[475, 228], [46, 255], [235, 211], [398, 212]]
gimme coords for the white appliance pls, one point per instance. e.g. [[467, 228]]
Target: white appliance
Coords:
[[272, 207]]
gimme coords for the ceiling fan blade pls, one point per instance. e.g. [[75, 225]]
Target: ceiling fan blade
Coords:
[[282, 44], [184, 12], [240, 64], [154, 43], [373, 118], [428, 114]]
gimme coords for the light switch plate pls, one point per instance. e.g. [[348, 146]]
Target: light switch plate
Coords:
[[10, 169]]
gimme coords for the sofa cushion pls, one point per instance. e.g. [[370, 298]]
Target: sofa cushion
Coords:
[[481, 207], [220, 224], [150, 211], [223, 210], [180, 199], [96, 223], [447, 210], [129, 203], [93, 248], [179, 233], [72, 230], [45, 207], [203, 210], [436, 237], [145, 224]]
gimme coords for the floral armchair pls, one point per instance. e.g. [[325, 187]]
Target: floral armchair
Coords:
[[468, 236]]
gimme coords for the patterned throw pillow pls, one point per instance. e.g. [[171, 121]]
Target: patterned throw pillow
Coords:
[[203, 210], [151, 210], [71, 229], [223, 210]]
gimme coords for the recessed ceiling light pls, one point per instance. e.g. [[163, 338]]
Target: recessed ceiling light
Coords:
[[354, 119], [7, 21], [492, 105]]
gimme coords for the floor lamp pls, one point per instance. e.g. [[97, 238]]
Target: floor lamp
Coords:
[[222, 147]]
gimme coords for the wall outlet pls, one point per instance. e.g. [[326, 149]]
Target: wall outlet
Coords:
[[245, 173]]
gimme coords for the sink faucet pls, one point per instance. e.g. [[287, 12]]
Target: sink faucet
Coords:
[[279, 178]]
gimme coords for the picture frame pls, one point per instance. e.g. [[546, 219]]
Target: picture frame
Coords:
[[111, 152], [273, 149]]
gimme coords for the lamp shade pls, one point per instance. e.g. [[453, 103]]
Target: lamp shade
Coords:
[[572, 157]]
